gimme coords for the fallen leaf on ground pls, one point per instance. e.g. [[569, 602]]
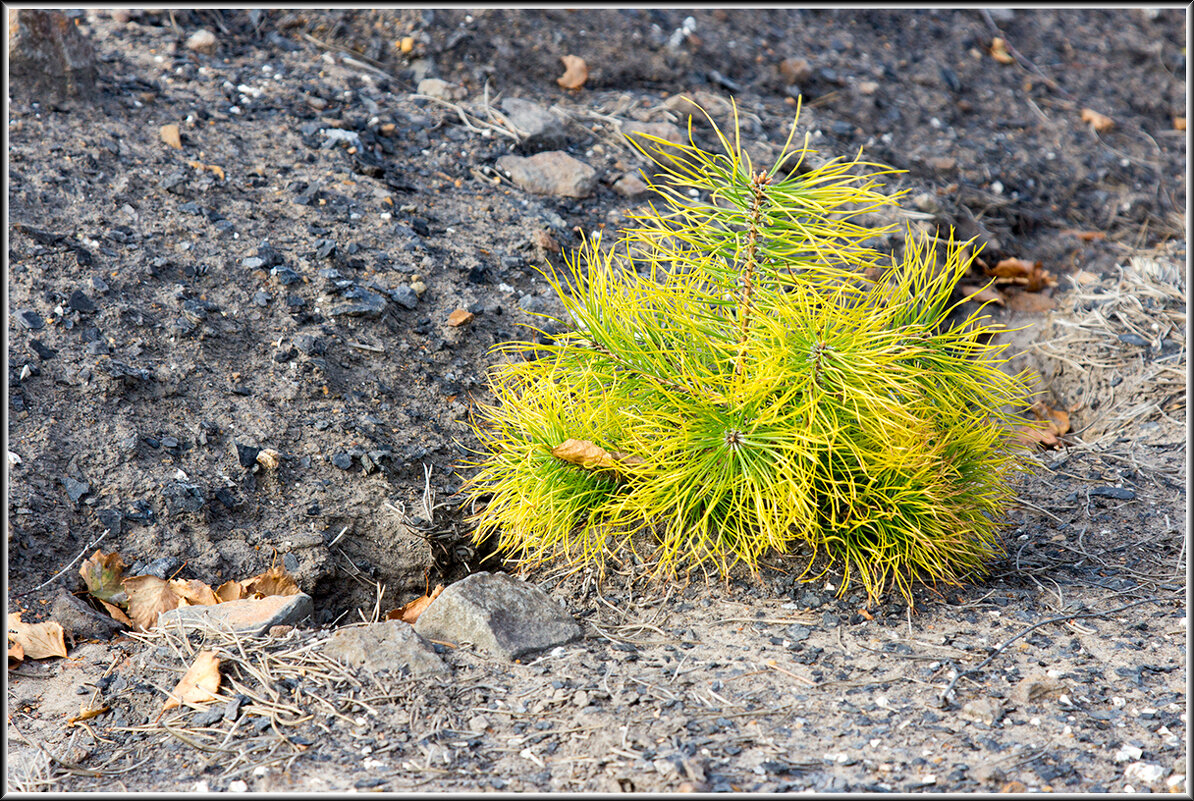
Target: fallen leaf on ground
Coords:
[[198, 685], [149, 596], [275, 581], [170, 135], [15, 654], [460, 317], [576, 72], [102, 572], [1029, 302], [35, 640], [981, 294], [1100, 122], [1028, 275], [117, 613], [230, 591], [1179, 123], [87, 714], [1053, 423], [410, 613], [999, 51]]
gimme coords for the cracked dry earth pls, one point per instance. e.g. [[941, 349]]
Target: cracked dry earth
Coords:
[[168, 320]]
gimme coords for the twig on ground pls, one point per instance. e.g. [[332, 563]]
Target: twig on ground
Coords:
[[79, 556]]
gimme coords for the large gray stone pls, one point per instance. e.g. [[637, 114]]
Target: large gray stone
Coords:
[[390, 645], [249, 616], [541, 129], [48, 55], [499, 614], [550, 173]]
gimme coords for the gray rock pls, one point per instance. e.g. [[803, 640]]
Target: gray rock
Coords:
[[30, 319], [1037, 687], [249, 616], [434, 87], [75, 489], [541, 129], [367, 304], [550, 173], [49, 55], [81, 621], [405, 296], [630, 185], [987, 711], [390, 645], [498, 613]]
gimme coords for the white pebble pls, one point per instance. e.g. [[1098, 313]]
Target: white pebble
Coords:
[[237, 786]]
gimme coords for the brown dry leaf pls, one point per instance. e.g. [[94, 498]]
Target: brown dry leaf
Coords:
[[149, 596], [1029, 302], [102, 572], [230, 591], [117, 613], [1032, 435], [198, 685], [410, 613], [193, 592], [1011, 268], [275, 581], [36, 640], [1100, 122], [999, 51], [170, 135], [87, 714], [15, 654], [1179, 123], [1058, 419], [584, 453], [460, 317], [1028, 275], [981, 294], [576, 72]]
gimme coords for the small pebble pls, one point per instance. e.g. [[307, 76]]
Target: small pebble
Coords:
[[342, 460], [30, 319]]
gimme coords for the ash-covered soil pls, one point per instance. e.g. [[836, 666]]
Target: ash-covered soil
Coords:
[[284, 280]]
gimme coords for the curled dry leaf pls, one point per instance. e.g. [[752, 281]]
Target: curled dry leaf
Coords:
[[149, 596], [198, 685], [1046, 433], [275, 581], [34, 640], [1028, 275], [410, 613], [590, 456], [102, 573], [576, 72], [230, 591], [981, 294], [15, 653], [999, 51], [87, 714], [1100, 122]]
